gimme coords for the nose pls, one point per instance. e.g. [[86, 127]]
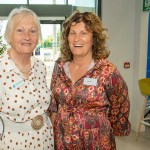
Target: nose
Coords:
[[26, 36], [77, 37]]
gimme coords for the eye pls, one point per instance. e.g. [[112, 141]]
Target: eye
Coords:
[[33, 31], [83, 33], [72, 33], [19, 30]]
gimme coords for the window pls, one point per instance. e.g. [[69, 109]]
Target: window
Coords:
[[13, 2], [83, 3], [47, 2]]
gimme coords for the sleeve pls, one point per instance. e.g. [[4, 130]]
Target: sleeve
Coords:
[[2, 91], [1, 87], [53, 105], [117, 93]]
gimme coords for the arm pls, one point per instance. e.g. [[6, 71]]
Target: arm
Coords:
[[117, 93], [0, 97], [2, 92]]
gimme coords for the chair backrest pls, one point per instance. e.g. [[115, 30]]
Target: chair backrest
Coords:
[[144, 85]]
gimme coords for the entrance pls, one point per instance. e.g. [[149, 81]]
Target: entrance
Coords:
[[49, 49]]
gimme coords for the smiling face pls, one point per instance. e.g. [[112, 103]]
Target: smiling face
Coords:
[[80, 40], [24, 36]]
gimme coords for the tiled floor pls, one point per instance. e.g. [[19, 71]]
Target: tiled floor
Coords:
[[129, 142]]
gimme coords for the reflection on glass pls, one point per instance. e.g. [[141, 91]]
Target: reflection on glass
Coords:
[[3, 44], [50, 43], [33, 1], [48, 51], [13, 1], [2, 30], [47, 2], [85, 3]]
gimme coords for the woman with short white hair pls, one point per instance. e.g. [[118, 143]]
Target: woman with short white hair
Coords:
[[24, 95]]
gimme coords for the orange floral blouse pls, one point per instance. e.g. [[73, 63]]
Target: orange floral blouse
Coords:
[[91, 112]]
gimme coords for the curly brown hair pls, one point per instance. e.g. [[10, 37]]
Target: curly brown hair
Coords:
[[93, 24]]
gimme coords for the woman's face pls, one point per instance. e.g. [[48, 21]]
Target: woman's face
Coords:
[[24, 36], [80, 40]]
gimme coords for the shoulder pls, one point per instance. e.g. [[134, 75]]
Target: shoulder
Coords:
[[1, 58], [107, 68], [112, 68], [3, 54], [38, 63], [105, 64], [37, 60], [60, 62]]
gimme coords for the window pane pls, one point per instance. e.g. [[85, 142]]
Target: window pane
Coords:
[[46, 1], [41, 2], [13, 2], [3, 44], [2, 27], [60, 1], [48, 50], [85, 3]]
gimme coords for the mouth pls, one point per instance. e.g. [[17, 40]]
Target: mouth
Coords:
[[78, 45], [26, 44]]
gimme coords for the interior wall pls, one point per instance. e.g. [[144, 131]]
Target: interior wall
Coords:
[[127, 26]]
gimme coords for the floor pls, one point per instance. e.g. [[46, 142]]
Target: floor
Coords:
[[129, 142]]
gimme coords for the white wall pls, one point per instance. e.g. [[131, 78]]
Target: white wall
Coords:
[[127, 26]]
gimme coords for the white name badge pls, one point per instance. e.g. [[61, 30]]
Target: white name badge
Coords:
[[18, 84], [90, 81]]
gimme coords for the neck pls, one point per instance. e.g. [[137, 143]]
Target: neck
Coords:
[[19, 59], [82, 62], [24, 65]]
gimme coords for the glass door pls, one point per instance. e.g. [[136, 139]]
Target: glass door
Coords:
[[49, 49]]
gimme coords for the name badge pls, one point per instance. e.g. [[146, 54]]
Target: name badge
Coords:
[[18, 84], [90, 81]]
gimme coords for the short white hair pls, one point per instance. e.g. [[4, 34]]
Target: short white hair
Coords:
[[21, 10]]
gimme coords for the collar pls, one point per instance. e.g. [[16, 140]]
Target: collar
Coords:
[[7, 64], [97, 64]]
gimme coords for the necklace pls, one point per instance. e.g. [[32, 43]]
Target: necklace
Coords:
[[25, 72], [22, 71]]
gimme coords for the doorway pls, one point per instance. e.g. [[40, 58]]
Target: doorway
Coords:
[[49, 50]]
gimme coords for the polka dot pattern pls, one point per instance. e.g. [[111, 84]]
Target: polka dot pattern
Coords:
[[33, 140], [21, 100]]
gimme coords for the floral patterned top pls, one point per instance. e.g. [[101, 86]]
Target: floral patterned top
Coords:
[[92, 111]]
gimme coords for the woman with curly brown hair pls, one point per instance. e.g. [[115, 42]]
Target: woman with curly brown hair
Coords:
[[90, 103]]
